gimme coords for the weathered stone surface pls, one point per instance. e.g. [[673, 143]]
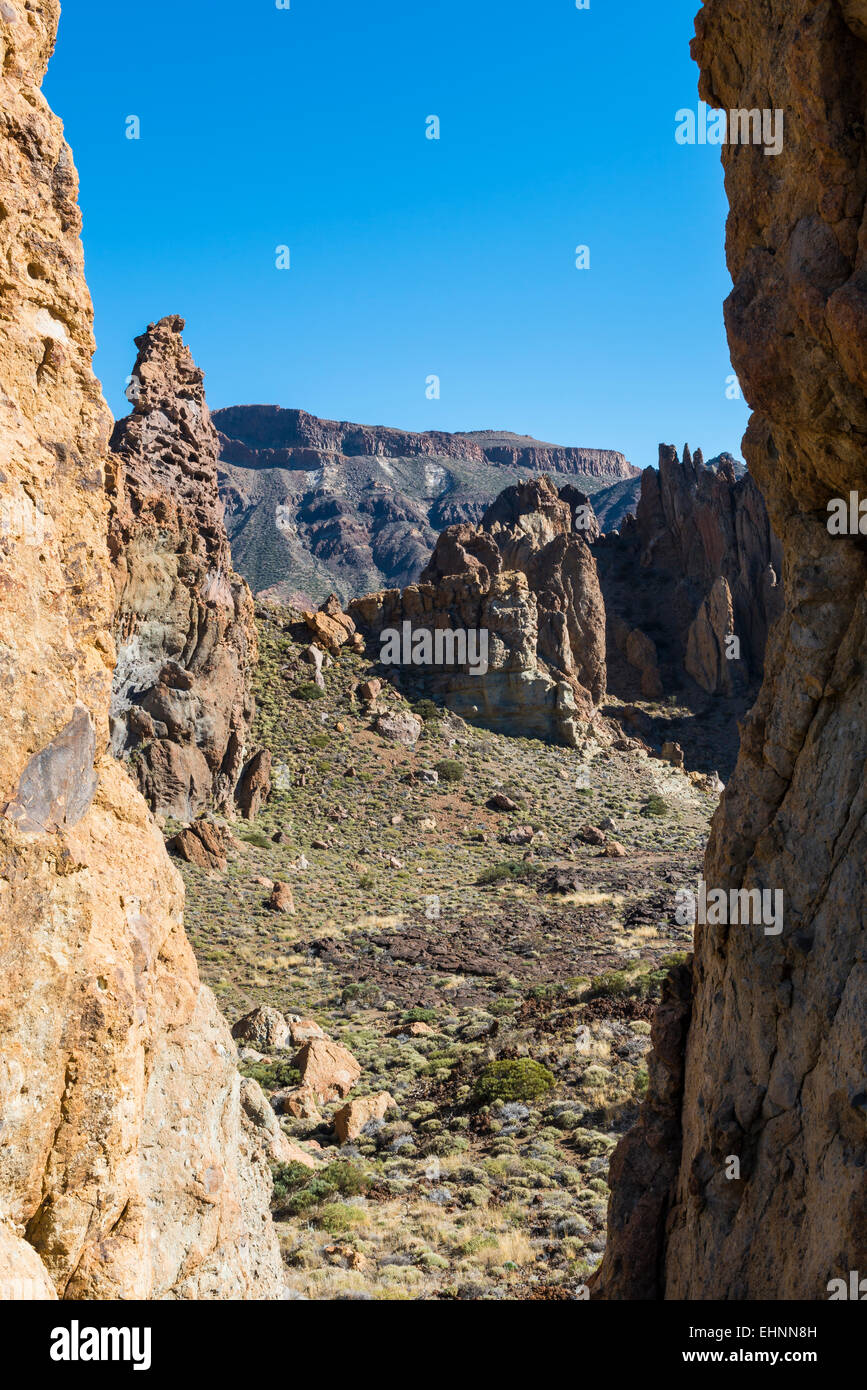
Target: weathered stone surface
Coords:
[[125, 1171], [186, 639], [204, 844], [399, 727], [254, 786], [264, 1028], [58, 784], [281, 899], [350, 1119], [699, 562], [263, 1126], [775, 1056], [526, 578], [327, 1069]]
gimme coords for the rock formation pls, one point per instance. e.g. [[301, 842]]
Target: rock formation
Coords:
[[698, 563], [316, 505], [776, 1053], [186, 638], [526, 580], [126, 1169]]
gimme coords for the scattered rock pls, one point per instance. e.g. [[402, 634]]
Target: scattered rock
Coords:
[[264, 1028], [401, 727], [500, 802], [591, 835], [327, 1069], [351, 1119], [281, 899]]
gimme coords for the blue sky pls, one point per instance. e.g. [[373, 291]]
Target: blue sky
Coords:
[[263, 127]]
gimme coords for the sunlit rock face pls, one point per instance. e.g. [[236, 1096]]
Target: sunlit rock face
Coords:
[[525, 582], [773, 1073], [126, 1169], [186, 638]]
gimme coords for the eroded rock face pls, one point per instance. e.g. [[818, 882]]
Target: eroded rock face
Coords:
[[777, 1049], [125, 1167], [526, 579], [186, 637], [699, 563]]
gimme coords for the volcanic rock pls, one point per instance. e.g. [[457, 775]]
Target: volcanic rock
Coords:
[[525, 579], [350, 1120], [775, 1051], [127, 1172], [327, 1069], [186, 639]]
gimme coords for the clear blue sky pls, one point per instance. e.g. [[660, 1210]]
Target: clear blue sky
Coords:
[[305, 127]]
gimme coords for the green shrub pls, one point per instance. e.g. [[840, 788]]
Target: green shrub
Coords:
[[450, 770], [654, 806], [271, 1076], [288, 1178], [518, 1079], [337, 1219], [320, 741], [308, 691], [508, 868], [255, 837], [426, 709], [418, 1015]]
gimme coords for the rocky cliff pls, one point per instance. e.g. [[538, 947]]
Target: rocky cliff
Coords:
[[525, 577], [126, 1169], [317, 505], [776, 1051], [708, 568], [185, 633]]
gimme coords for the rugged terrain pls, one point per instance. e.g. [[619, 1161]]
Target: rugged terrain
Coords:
[[492, 970], [526, 579], [316, 506], [127, 1168], [766, 1063]]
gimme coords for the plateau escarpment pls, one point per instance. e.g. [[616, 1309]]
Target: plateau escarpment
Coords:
[[315, 506], [525, 581], [186, 639], [766, 1063], [127, 1169]]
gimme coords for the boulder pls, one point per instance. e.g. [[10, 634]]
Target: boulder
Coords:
[[327, 1069], [401, 727], [350, 1120], [263, 1028]]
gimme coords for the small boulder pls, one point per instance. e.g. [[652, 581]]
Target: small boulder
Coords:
[[351, 1119], [369, 691], [263, 1028], [614, 850], [327, 1069], [500, 802], [281, 899], [591, 835], [400, 727], [672, 753], [301, 1030]]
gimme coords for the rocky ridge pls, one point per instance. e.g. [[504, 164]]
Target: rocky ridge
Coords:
[[525, 578], [127, 1168], [315, 506], [186, 640]]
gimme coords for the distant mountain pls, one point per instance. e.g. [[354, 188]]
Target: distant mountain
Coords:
[[319, 505]]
